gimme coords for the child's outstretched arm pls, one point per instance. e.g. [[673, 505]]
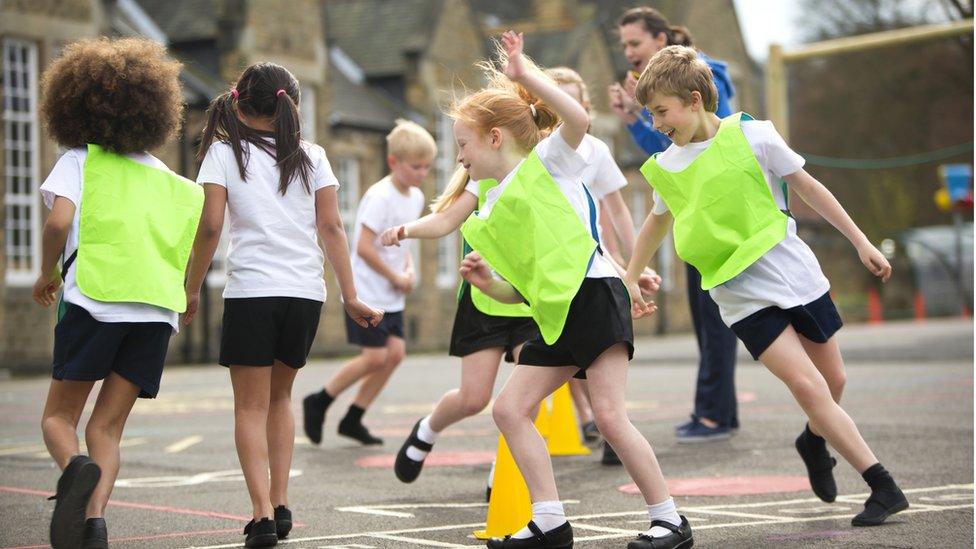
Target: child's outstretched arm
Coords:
[[478, 274], [574, 117], [328, 223], [433, 225], [204, 245], [52, 246], [652, 232], [823, 201]]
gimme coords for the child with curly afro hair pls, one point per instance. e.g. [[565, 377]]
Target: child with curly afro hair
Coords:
[[124, 224]]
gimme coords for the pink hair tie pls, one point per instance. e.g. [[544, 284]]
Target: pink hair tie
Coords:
[[234, 93], [280, 91]]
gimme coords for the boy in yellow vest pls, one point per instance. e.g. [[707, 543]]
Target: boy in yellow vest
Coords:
[[719, 185], [124, 225]]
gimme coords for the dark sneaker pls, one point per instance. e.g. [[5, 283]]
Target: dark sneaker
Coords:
[[282, 518], [560, 537], [590, 432], [75, 487], [820, 466], [609, 456], [681, 427], [359, 432], [406, 469], [880, 505], [680, 536], [96, 534], [261, 533], [699, 432], [313, 416]]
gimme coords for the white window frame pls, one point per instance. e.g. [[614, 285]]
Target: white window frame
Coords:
[[27, 195], [447, 247], [349, 173], [306, 113]]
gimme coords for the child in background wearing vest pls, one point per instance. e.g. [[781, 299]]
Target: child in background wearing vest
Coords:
[[604, 179], [500, 132], [384, 276], [772, 291], [281, 195], [109, 116]]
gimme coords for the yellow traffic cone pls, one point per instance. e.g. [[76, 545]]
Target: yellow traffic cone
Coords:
[[543, 422], [564, 431], [510, 507]]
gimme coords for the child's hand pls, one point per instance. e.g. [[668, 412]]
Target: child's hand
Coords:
[[45, 289], [404, 282], [639, 308], [393, 236], [620, 102], [630, 84], [875, 262], [476, 271], [649, 281], [192, 304], [362, 314], [514, 67]]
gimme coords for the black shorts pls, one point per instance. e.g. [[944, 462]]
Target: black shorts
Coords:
[[475, 331], [816, 321], [86, 349], [599, 318], [375, 336], [260, 330]]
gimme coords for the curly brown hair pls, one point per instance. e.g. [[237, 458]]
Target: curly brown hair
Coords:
[[122, 94]]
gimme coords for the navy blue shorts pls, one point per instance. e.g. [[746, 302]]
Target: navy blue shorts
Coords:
[[86, 349], [257, 331], [375, 336], [816, 321]]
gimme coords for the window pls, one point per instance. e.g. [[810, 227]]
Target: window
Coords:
[[348, 175], [306, 113], [21, 172], [447, 247]]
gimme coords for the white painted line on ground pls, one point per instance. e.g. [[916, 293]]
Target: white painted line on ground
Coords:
[[33, 448], [687, 510], [181, 445], [415, 541]]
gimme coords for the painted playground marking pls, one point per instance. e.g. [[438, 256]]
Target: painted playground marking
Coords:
[[782, 512]]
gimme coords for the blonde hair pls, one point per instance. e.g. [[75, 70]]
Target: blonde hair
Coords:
[[501, 104], [410, 140], [677, 71], [567, 76]]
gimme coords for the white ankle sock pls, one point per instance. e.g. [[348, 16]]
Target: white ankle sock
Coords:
[[426, 434], [547, 515], [665, 511]]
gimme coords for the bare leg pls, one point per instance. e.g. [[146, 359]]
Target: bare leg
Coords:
[[787, 359], [59, 422], [370, 360], [478, 372], [577, 387], [252, 395], [280, 431], [374, 382], [103, 434], [828, 360]]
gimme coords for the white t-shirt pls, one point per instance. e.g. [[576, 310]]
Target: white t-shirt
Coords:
[[274, 249], [786, 276], [382, 207], [566, 167], [601, 175], [67, 180]]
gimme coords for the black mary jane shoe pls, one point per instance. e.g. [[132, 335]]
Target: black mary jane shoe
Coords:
[[75, 487], [680, 537], [406, 469], [560, 537], [282, 518], [820, 467], [96, 534], [260, 533], [880, 505]]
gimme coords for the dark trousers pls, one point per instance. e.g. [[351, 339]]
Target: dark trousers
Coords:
[[715, 392]]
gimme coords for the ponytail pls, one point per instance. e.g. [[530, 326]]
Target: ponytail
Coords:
[[453, 190], [291, 158]]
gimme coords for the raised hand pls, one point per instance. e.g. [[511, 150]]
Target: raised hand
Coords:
[[514, 67]]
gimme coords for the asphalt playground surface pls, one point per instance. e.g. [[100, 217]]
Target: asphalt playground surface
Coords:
[[910, 391]]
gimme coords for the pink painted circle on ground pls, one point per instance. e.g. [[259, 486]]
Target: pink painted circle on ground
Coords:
[[439, 459], [729, 486]]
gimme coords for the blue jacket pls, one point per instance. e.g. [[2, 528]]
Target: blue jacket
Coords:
[[653, 141]]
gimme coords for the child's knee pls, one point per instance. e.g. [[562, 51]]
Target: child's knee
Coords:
[[507, 412], [610, 419], [809, 392], [105, 427], [473, 402]]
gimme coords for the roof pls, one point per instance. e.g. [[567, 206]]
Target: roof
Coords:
[[379, 34], [183, 20], [359, 106]]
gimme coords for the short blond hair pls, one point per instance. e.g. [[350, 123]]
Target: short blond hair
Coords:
[[567, 76], [410, 140], [677, 71]]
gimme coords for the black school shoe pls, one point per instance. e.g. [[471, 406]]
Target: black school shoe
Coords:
[[406, 469], [820, 466], [96, 534], [261, 533], [313, 417], [359, 432], [282, 518], [680, 536], [609, 456], [75, 487], [880, 505], [560, 537]]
